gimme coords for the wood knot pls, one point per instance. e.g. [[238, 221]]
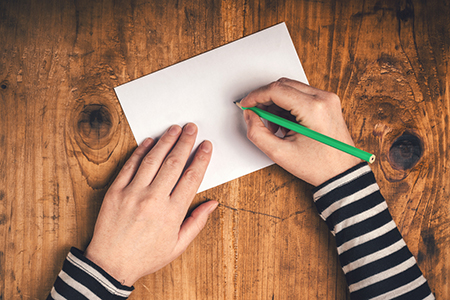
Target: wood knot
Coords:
[[94, 125], [94, 128], [406, 14], [405, 152], [4, 84]]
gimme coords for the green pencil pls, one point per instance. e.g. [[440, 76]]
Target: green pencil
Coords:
[[311, 133]]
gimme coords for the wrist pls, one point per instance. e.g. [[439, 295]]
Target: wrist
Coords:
[[339, 168], [108, 264], [89, 274], [337, 180]]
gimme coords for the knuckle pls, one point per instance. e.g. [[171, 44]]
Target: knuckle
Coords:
[[275, 85], [147, 204], [167, 139], [327, 103], [149, 160], [283, 79], [203, 157], [192, 176], [333, 98], [201, 223], [129, 165], [172, 161]]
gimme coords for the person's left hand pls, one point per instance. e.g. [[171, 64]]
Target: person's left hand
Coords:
[[141, 226]]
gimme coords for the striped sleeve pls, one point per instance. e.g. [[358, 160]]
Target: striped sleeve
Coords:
[[82, 279], [374, 257]]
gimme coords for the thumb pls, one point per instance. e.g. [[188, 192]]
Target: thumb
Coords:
[[261, 136], [192, 226]]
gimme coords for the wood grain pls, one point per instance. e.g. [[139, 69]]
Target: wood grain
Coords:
[[63, 137]]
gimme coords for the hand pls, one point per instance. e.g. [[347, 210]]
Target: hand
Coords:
[[318, 110], [140, 227]]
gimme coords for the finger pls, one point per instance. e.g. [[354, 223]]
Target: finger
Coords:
[[284, 96], [302, 87], [152, 161], [189, 183], [192, 226], [129, 169], [175, 162], [262, 137], [316, 95], [281, 113]]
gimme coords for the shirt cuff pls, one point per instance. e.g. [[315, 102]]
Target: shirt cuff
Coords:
[[81, 276], [345, 190]]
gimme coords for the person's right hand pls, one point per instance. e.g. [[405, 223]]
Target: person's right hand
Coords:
[[318, 110]]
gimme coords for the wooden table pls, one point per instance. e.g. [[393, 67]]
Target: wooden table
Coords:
[[63, 137]]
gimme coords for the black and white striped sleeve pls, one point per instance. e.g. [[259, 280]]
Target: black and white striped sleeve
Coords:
[[374, 257], [82, 279]]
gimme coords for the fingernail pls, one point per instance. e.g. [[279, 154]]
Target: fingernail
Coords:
[[190, 128], [146, 142], [174, 130], [213, 207], [206, 147]]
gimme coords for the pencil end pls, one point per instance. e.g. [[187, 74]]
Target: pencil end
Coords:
[[238, 103]]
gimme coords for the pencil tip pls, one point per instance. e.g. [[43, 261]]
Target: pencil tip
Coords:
[[238, 103]]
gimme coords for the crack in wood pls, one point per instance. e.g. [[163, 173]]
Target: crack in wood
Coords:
[[264, 214]]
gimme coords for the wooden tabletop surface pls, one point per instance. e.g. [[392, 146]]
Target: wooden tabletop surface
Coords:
[[63, 137]]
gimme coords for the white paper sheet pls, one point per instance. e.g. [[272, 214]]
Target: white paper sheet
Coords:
[[202, 90]]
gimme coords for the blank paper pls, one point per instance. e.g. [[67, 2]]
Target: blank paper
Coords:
[[202, 90]]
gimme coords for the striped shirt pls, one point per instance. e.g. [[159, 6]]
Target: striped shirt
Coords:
[[374, 257], [82, 279]]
